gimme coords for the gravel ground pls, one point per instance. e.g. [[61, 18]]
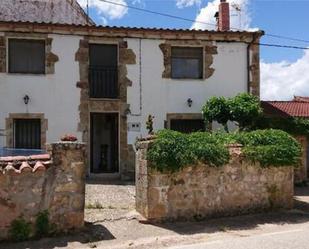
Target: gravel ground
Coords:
[[109, 201]]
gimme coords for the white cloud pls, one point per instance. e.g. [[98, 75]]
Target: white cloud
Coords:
[[207, 13], [107, 10], [280, 81], [187, 3]]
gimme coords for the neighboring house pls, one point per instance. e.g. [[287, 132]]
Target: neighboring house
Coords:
[[296, 108], [101, 83]]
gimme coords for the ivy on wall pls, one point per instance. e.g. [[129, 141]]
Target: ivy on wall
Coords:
[[172, 150]]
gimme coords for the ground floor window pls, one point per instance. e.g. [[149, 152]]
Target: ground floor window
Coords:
[[187, 125], [27, 133], [185, 122], [26, 130]]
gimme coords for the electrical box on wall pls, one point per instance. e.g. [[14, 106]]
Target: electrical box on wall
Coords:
[[134, 127]]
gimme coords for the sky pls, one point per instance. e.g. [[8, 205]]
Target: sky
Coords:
[[283, 71]]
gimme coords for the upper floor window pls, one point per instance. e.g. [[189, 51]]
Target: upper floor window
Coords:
[[26, 56], [187, 63], [103, 70]]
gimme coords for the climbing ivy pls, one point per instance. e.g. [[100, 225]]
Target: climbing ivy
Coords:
[[172, 150]]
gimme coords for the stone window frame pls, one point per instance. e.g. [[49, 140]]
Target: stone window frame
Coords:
[[202, 61], [209, 50], [50, 57], [181, 116], [9, 127]]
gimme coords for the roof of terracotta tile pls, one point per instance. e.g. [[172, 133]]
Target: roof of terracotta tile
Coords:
[[19, 164], [286, 108], [45, 11]]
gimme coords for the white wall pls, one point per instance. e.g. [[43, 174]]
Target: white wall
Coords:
[[162, 96], [56, 95]]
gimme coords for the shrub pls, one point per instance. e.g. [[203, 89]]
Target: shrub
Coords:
[[172, 150], [270, 147], [245, 109], [207, 148], [20, 230], [217, 109], [42, 226], [169, 151]]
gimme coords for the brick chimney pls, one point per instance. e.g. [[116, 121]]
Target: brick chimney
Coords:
[[224, 16]]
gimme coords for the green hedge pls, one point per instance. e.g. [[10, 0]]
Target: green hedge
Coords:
[[172, 150]]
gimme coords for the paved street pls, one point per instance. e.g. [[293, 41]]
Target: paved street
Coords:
[[290, 239]]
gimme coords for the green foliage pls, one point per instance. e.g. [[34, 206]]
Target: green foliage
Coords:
[[172, 150], [295, 126], [217, 109], [245, 109], [42, 225], [270, 147], [169, 151], [20, 230], [207, 148]]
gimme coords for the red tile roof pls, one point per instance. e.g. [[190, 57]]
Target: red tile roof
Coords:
[[294, 108], [19, 164]]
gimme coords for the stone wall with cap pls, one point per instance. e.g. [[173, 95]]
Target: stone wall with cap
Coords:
[[53, 182], [200, 191]]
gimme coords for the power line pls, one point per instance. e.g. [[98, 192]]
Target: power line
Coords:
[[211, 24], [281, 46], [287, 38]]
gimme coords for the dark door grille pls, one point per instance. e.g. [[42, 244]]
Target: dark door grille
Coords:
[[187, 125], [103, 71], [27, 133], [103, 82]]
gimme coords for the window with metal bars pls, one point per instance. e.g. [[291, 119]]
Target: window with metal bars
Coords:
[[187, 63], [103, 70], [187, 125], [26, 56], [27, 133]]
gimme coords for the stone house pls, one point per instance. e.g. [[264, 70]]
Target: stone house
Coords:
[[296, 108], [60, 73]]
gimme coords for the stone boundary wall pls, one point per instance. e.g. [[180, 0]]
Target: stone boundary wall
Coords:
[[200, 191], [29, 185], [300, 173]]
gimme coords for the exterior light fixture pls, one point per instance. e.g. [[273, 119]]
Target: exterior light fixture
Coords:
[[26, 99], [127, 111], [189, 102]]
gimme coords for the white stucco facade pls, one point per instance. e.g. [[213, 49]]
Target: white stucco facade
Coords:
[[62, 101], [161, 96], [55, 95]]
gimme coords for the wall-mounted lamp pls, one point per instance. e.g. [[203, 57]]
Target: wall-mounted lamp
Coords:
[[189, 102], [26, 99], [127, 111]]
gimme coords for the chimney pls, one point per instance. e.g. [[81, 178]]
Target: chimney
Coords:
[[224, 16]]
